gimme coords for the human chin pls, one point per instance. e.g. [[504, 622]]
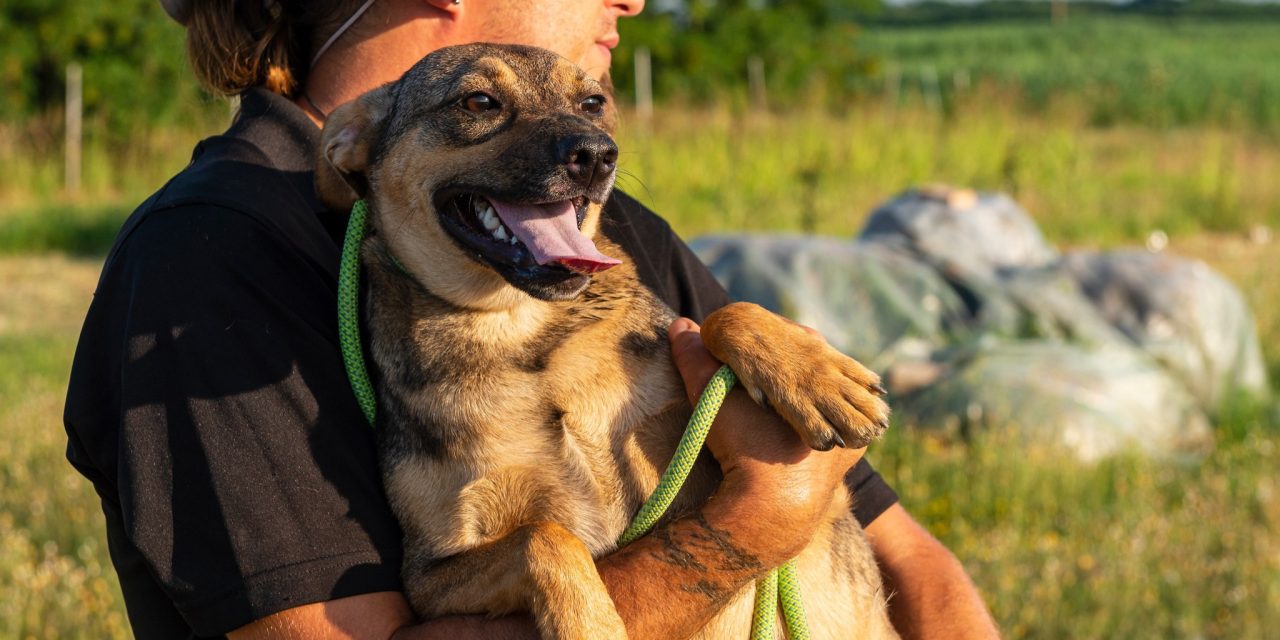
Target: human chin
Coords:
[[595, 60]]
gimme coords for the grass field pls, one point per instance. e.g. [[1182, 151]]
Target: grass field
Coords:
[[56, 580], [1128, 548], [1114, 69]]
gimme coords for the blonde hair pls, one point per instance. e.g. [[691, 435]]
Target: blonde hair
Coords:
[[237, 44]]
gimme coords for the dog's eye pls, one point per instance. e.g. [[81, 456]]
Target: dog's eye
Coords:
[[480, 102], [593, 105]]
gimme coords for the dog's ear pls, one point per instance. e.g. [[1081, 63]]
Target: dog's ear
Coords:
[[346, 148]]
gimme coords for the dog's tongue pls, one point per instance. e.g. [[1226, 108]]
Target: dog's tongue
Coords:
[[550, 231]]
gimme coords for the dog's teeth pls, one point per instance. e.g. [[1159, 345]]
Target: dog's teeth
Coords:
[[512, 240], [490, 220], [500, 233]]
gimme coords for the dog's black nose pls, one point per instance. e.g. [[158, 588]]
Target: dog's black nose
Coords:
[[588, 158]]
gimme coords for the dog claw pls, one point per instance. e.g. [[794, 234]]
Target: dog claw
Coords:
[[825, 445], [883, 424], [835, 437], [878, 389]]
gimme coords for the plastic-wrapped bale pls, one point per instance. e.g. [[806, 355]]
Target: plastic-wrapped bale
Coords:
[[978, 323], [871, 302], [966, 234], [1091, 402], [974, 240], [1191, 319], [1043, 302]]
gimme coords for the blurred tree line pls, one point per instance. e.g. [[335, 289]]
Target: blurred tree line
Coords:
[[133, 56], [700, 49], [135, 70]]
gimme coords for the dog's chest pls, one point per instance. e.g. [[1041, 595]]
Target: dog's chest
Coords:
[[559, 427]]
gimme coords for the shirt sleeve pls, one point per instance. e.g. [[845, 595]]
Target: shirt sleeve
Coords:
[[670, 268], [246, 478], [664, 262]]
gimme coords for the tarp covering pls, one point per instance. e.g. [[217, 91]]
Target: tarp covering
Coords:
[[977, 322]]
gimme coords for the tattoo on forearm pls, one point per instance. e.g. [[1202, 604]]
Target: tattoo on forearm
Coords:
[[714, 592], [702, 545]]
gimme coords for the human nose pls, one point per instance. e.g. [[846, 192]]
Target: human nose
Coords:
[[626, 8]]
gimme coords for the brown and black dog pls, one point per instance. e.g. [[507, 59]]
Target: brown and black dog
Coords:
[[527, 398]]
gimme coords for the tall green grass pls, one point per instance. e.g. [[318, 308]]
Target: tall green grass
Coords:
[[711, 169], [1128, 548], [714, 169]]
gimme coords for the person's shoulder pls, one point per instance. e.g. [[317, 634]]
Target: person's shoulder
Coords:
[[636, 227], [229, 202], [624, 211]]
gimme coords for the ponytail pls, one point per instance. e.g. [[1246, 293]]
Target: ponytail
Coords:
[[237, 44]]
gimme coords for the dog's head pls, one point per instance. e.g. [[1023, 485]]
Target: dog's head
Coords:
[[486, 167]]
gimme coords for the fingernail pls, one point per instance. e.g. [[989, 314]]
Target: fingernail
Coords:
[[682, 325]]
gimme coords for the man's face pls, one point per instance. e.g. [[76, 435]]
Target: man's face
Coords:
[[584, 31]]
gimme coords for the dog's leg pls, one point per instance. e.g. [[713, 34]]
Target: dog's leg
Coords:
[[829, 398], [540, 568]]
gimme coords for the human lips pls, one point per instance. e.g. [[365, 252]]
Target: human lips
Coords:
[[610, 41], [605, 46]]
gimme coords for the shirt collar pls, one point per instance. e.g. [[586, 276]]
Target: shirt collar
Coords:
[[278, 127]]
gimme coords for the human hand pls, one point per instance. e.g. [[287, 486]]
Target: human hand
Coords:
[[767, 467]]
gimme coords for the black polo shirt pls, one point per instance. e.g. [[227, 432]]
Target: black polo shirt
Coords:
[[209, 406]]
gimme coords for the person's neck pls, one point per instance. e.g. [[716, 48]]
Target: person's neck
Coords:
[[352, 68]]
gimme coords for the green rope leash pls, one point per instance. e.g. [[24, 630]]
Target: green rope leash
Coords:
[[766, 610], [780, 587], [686, 454], [349, 311], [791, 602]]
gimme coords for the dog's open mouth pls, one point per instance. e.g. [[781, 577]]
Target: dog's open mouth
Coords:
[[537, 237]]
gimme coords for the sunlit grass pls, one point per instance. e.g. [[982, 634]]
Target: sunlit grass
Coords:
[[56, 579], [1129, 548], [713, 169]]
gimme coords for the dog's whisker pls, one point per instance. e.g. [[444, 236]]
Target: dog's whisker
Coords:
[[633, 179]]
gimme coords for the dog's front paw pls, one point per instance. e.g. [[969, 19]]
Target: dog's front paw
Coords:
[[828, 398]]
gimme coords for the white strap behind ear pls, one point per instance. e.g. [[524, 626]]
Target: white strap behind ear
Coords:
[[341, 30]]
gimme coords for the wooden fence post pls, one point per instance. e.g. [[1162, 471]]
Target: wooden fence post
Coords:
[[74, 130], [644, 84], [755, 81], [892, 86], [929, 86]]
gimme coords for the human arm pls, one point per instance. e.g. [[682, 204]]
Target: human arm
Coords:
[[932, 596]]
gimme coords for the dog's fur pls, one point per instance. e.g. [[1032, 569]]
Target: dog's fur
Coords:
[[525, 413]]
